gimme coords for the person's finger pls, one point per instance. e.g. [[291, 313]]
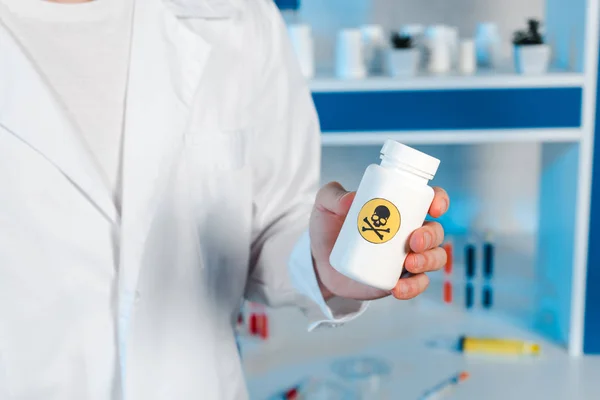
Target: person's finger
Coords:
[[408, 288], [429, 261], [429, 236], [440, 203], [335, 199]]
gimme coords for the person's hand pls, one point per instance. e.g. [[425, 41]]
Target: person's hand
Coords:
[[330, 209]]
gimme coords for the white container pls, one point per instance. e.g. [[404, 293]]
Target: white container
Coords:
[[402, 62], [467, 60], [417, 34], [440, 60], [532, 59], [374, 45], [349, 60], [302, 43], [391, 202], [438, 53], [488, 45], [453, 39]]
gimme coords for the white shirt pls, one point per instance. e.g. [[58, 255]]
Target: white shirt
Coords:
[[83, 52]]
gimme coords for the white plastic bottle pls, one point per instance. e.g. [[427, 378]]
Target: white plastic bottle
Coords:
[[391, 202], [349, 60], [302, 43]]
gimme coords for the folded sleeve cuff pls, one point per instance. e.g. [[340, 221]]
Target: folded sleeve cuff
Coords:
[[332, 313]]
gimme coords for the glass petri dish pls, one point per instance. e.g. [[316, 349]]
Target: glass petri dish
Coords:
[[318, 389], [368, 377]]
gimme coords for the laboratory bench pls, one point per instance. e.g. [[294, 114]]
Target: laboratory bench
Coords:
[[415, 339]]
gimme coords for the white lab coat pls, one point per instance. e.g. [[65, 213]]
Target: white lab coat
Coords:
[[221, 160]]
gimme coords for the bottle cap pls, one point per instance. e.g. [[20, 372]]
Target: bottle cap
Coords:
[[409, 157]]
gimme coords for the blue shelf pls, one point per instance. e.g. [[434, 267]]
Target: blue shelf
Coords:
[[454, 109]]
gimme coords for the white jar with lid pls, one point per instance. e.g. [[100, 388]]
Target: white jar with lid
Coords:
[[391, 202]]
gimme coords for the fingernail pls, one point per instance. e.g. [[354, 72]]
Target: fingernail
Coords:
[[446, 206], [344, 195], [427, 238]]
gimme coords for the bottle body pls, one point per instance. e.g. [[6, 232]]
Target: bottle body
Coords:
[[302, 44], [488, 45], [373, 243]]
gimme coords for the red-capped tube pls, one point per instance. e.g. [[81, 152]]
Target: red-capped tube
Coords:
[[447, 292], [253, 326], [449, 256], [291, 394], [264, 326]]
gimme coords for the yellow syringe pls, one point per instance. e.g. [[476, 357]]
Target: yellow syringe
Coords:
[[497, 346]]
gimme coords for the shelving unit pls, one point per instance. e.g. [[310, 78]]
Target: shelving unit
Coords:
[[555, 112], [556, 135], [481, 80], [432, 85], [448, 108]]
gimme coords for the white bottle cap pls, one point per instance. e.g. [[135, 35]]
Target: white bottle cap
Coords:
[[409, 158]]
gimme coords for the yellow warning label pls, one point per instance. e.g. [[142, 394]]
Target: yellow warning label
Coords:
[[378, 221]]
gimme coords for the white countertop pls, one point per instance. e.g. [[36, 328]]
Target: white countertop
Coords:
[[401, 333]]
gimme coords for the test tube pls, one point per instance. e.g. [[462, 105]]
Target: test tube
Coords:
[[449, 257], [488, 260], [487, 298], [470, 261], [253, 325], [469, 295], [447, 292], [447, 288], [264, 326]]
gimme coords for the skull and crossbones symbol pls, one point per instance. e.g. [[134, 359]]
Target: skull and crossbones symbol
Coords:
[[377, 221]]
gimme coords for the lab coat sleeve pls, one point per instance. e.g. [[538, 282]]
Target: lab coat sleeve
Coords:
[[285, 169]]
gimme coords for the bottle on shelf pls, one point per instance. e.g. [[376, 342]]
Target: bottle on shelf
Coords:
[[303, 45], [374, 44], [467, 60], [300, 36], [488, 45], [349, 59], [439, 49]]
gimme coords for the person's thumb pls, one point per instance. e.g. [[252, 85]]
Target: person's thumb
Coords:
[[334, 198]]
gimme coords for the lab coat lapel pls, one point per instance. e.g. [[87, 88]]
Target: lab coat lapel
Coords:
[[31, 111], [167, 62]]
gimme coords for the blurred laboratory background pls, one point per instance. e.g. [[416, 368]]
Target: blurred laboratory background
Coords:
[[504, 94]]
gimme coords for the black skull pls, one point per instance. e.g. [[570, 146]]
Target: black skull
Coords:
[[380, 216]]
